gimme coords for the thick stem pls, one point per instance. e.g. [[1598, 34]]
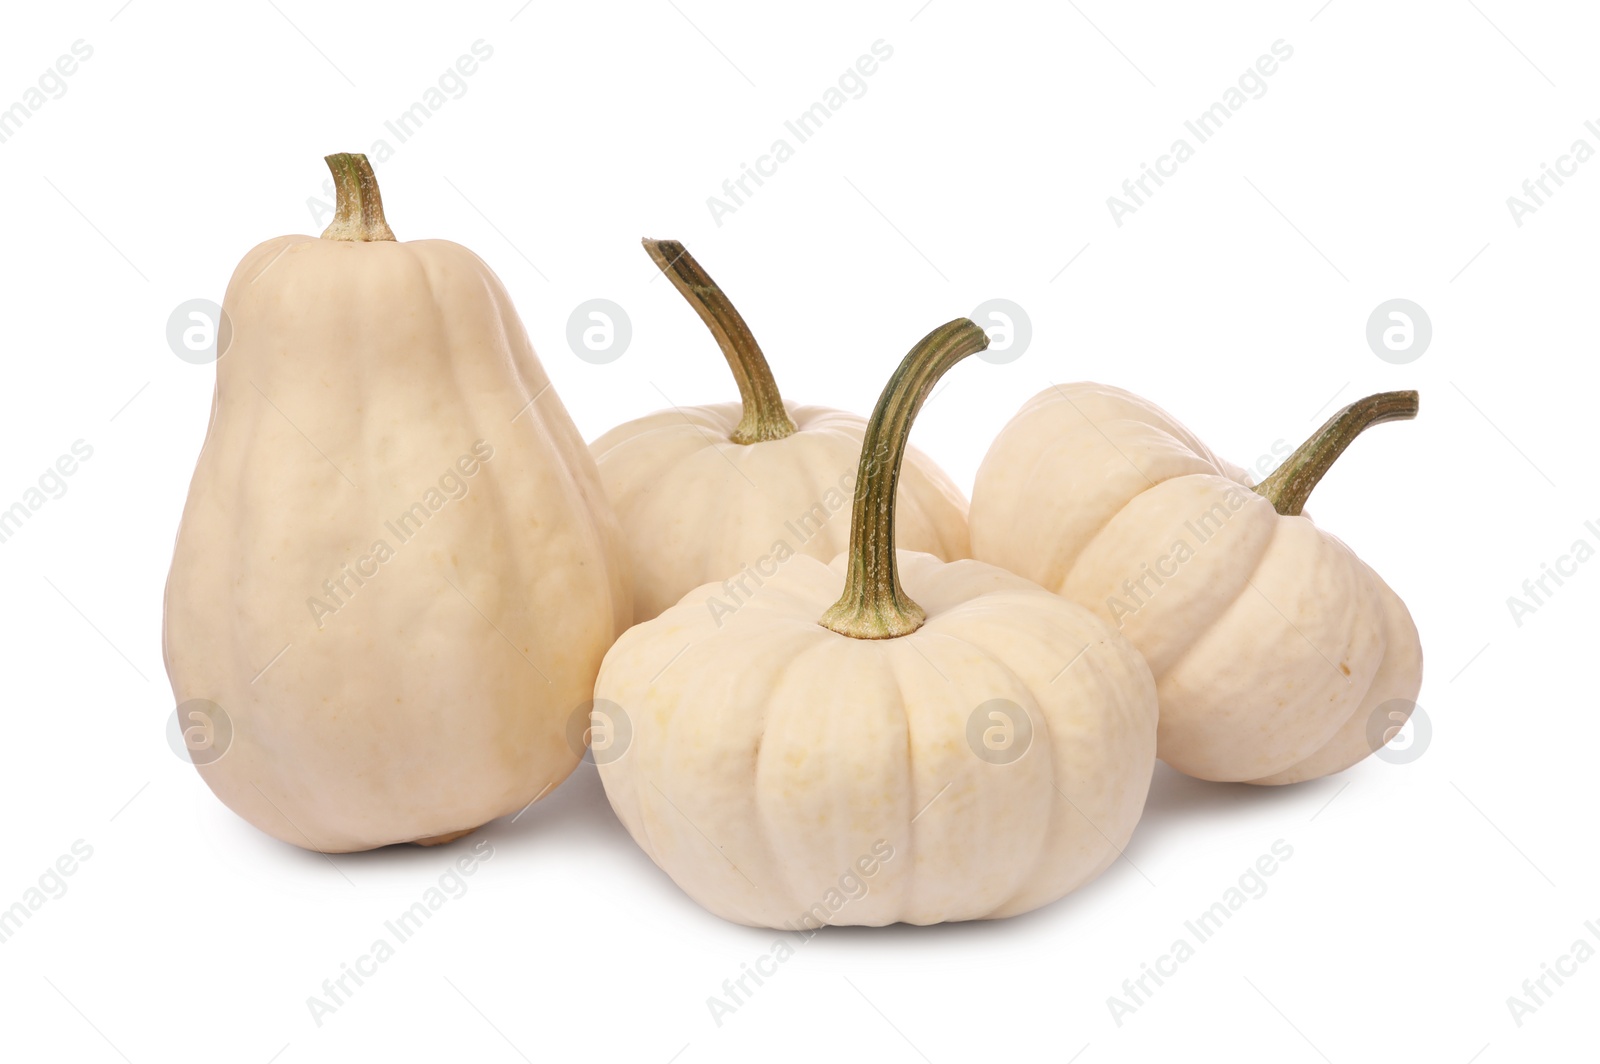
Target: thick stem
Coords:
[[873, 605], [358, 206], [1290, 485], [764, 416]]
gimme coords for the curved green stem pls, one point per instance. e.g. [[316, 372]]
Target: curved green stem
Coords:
[[358, 206], [873, 605], [1290, 485], [764, 416]]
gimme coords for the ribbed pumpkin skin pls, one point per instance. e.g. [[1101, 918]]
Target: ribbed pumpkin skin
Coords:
[[1272, 644], [437, 694], [769, 755], [696, 507]]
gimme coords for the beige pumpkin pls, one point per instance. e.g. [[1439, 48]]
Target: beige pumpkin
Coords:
[[1279, 655], [396, 573], [730, 492], [963, 746]]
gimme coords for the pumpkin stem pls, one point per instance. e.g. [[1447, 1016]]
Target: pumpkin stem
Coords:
[[358, 206], [764, 416], [1291, 484], [873, 605]]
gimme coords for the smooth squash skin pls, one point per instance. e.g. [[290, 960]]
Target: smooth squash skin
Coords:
[[396, 571], [734, 490], [819, 757], [1279, 655]]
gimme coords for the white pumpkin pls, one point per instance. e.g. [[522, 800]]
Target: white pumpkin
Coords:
[[973, 751], [396, 573], [734, 490], [1279, 655]]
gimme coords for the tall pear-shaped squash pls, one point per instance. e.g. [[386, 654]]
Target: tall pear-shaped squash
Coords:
[[396, 573]]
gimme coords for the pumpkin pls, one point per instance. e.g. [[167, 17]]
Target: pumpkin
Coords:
[[396, 572], [889, 738], [703, 492], [1279, 655]]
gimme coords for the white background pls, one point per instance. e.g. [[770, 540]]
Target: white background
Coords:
[[976, 165]]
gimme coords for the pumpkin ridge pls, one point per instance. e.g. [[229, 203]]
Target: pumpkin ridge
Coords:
[[1244, 585], [1250, 584], [1362, 576], [1037, 473], [1025, 871], [778, 860], [1094, 631], [662, 803], [920, 660], [909, 899], [1102, 530]]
